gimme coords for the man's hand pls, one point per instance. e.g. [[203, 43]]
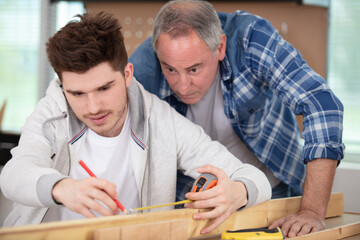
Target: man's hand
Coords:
[[225, 198], [299, 224], [82, 196], [319, 178]]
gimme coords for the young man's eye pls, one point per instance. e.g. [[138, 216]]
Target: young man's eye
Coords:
[[77, 94], [104, 88]]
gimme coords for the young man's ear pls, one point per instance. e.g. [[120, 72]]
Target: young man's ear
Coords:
[[128, 72]]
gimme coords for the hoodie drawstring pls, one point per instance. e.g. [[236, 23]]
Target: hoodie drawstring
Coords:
[[52, 142]]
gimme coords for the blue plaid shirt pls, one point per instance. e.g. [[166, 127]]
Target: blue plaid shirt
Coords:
[[265, 83]]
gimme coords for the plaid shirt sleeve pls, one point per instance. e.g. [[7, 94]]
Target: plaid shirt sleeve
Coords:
[[271, 58]]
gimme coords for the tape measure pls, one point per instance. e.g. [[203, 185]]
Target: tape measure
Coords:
[[203, 182], [254, 233]]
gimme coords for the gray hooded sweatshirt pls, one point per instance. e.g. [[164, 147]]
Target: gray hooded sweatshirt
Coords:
[[163, 142]]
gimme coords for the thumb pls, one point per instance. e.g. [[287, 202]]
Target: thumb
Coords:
[[211, 169]]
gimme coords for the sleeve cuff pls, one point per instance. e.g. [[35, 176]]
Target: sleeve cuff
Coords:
[[44, 188], [252, 192], [323, 150]]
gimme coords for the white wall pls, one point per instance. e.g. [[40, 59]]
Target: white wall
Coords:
[[347, 181]]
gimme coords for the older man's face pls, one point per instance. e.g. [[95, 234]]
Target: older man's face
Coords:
[[189, 65]]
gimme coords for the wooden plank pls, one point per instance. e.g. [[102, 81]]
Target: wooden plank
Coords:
[[84, 229], [278, 208], [336, 205], [113, 233], [257, 216], [334, 233], [355, 237], [180, 230], [348, 222], [170, 230], [265, 213]]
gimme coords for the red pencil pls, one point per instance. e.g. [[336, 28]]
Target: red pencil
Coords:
[[93, 175]]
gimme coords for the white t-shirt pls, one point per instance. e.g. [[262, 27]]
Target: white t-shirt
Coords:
[[209, 114], [107, 158]]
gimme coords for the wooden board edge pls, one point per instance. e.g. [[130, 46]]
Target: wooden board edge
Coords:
[[333, 233], [260, 215]]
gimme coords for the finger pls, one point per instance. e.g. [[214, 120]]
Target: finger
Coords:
[[289, 221], [109, 202], [210, 193], [320, 226], [277, 223], [104, 198], [201, 204], [294, 229], [85, 212], [214, 213], [117, 211], [214, 224], [219, 173], [99, 208], [106, 186], [307, 228], [94, 189]]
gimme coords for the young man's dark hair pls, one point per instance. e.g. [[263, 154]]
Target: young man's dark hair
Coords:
[[73, 48]]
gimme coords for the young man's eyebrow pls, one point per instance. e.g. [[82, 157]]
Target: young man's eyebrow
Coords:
[[100, 87], [73, 91], [107, 84]]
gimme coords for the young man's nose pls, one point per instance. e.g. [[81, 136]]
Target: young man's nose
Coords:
[[94, 103]]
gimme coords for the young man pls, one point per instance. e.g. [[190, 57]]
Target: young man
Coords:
[[234, 75], [132, 141]]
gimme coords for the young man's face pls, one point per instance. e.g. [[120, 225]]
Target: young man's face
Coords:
[[98, 97], [189, 65]]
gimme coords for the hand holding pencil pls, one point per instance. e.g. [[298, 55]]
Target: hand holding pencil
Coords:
[[87, 196], [93, 175]]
